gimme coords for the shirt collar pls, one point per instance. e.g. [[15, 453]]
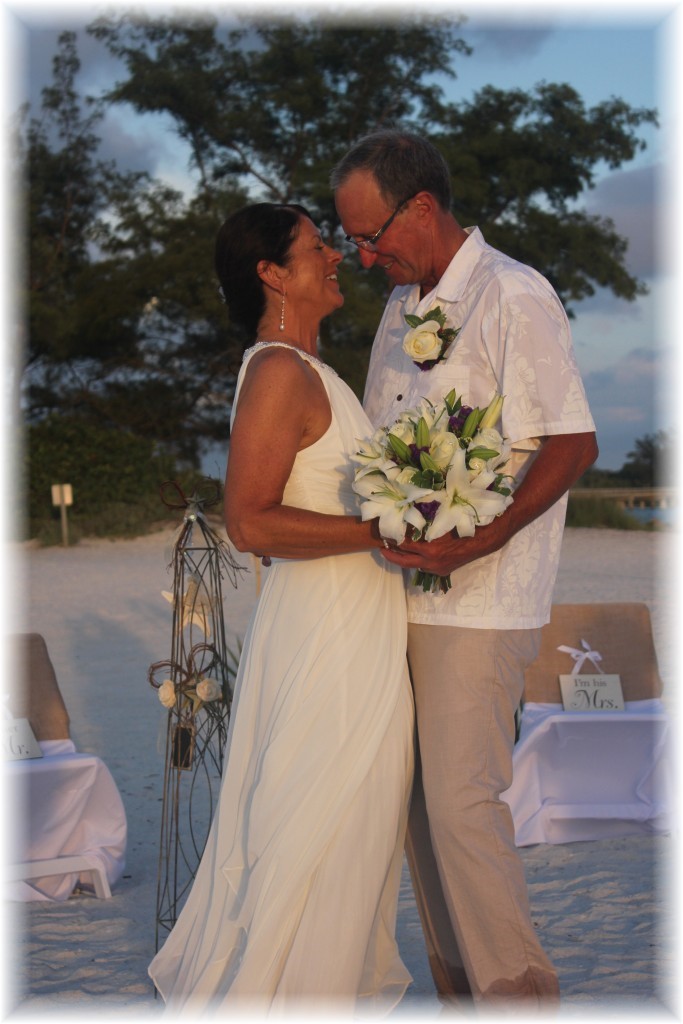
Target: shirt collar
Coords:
[[455, 277]]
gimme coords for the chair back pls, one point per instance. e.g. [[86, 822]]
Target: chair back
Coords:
[[620, 632], [35, 694]]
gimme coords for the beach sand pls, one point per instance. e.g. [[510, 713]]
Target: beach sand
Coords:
[[604, 910]]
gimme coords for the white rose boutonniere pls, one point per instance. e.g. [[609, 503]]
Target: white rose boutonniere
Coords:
[[428, 339]]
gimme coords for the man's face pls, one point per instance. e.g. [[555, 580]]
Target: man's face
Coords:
[[400, 251]]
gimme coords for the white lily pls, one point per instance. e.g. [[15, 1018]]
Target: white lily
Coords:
[[432, 414], [372, 456], [391, 501], [464, 503]]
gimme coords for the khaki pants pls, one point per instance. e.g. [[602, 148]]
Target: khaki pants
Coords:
[[467, 875]]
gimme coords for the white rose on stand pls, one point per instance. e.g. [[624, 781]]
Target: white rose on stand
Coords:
[[167, 693], [209, 689]]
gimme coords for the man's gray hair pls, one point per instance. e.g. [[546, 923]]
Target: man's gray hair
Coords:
[[401, 163]]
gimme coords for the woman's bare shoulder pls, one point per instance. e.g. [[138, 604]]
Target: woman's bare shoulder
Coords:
[[279, 363]]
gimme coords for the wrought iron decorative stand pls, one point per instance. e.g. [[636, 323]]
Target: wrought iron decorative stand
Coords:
[[196, 686]]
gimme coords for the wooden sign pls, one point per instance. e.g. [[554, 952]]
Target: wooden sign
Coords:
[[591, 693], [62, 494]]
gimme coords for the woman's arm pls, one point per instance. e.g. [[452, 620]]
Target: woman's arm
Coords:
[[283, 407]]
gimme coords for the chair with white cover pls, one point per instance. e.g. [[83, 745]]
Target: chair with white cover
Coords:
[[580, 775], [70, 821]]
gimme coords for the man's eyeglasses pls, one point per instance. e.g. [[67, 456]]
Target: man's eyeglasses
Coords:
[[368, 244]]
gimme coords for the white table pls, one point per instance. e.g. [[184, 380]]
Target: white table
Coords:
[[591, 775], [69, 813]]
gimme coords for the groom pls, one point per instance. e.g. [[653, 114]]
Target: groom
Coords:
[[468, 649]]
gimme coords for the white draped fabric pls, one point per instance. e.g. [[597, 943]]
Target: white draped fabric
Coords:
[[296, 894], [591, 775], [65, 804]]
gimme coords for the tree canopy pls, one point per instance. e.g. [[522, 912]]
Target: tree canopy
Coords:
[[124, 323]]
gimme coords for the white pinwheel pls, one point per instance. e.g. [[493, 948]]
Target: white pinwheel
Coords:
[[465, 504]]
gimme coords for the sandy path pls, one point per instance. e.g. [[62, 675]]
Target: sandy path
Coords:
[[601, 907]]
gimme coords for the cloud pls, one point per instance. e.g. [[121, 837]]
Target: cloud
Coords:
[[99, 68], [630, 198], [505, 41], [625, 401], [145, 142]]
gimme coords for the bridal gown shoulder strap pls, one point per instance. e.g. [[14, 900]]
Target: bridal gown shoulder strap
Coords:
[[283, 344]]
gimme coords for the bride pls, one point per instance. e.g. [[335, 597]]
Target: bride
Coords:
[[294, 902]]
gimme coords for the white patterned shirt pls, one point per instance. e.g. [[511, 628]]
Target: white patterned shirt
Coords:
[[514, 339]]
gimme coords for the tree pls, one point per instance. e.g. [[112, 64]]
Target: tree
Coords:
[[278, 102], [648, 464], [68, 292], [125, 325], [519, 161]]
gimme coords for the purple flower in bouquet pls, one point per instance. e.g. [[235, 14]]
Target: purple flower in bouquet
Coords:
[[457, 421]]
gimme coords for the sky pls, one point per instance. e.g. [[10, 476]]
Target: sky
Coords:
[[626, 350]]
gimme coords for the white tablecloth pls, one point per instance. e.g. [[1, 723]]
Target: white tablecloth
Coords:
[[590, 775], [63, 804]]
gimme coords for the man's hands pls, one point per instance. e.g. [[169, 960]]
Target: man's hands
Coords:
[[450, 552]]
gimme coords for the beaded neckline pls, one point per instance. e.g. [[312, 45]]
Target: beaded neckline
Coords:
[[283, 344]]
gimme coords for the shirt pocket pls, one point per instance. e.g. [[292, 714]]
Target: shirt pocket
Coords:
[[443, 378]]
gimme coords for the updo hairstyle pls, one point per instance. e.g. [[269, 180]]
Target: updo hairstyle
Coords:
[[260, 231]]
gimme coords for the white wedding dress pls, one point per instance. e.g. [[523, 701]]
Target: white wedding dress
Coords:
[[294, 903]]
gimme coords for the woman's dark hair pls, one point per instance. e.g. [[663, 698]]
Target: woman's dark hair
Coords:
[[261, 231]]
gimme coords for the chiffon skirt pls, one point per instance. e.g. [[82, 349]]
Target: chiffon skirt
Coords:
[[294, 903]]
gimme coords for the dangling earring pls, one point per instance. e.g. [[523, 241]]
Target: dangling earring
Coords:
[[282, 313]]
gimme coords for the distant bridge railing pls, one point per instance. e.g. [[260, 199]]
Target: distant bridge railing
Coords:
[[631, 497]]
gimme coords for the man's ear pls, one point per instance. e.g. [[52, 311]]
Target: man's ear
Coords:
[[425, 205]]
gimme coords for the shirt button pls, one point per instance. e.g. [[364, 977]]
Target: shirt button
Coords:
[[399, 397]]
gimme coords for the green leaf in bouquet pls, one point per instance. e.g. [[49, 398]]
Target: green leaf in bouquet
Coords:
[[433, 479], [452, 402], [400, 449], [482, 453], [412, 320], [428, 463]]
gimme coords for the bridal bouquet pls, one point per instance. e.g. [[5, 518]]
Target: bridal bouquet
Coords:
[[437, 468]]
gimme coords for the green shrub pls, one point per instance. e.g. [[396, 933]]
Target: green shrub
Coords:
[[597, 512], [115, 477]]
